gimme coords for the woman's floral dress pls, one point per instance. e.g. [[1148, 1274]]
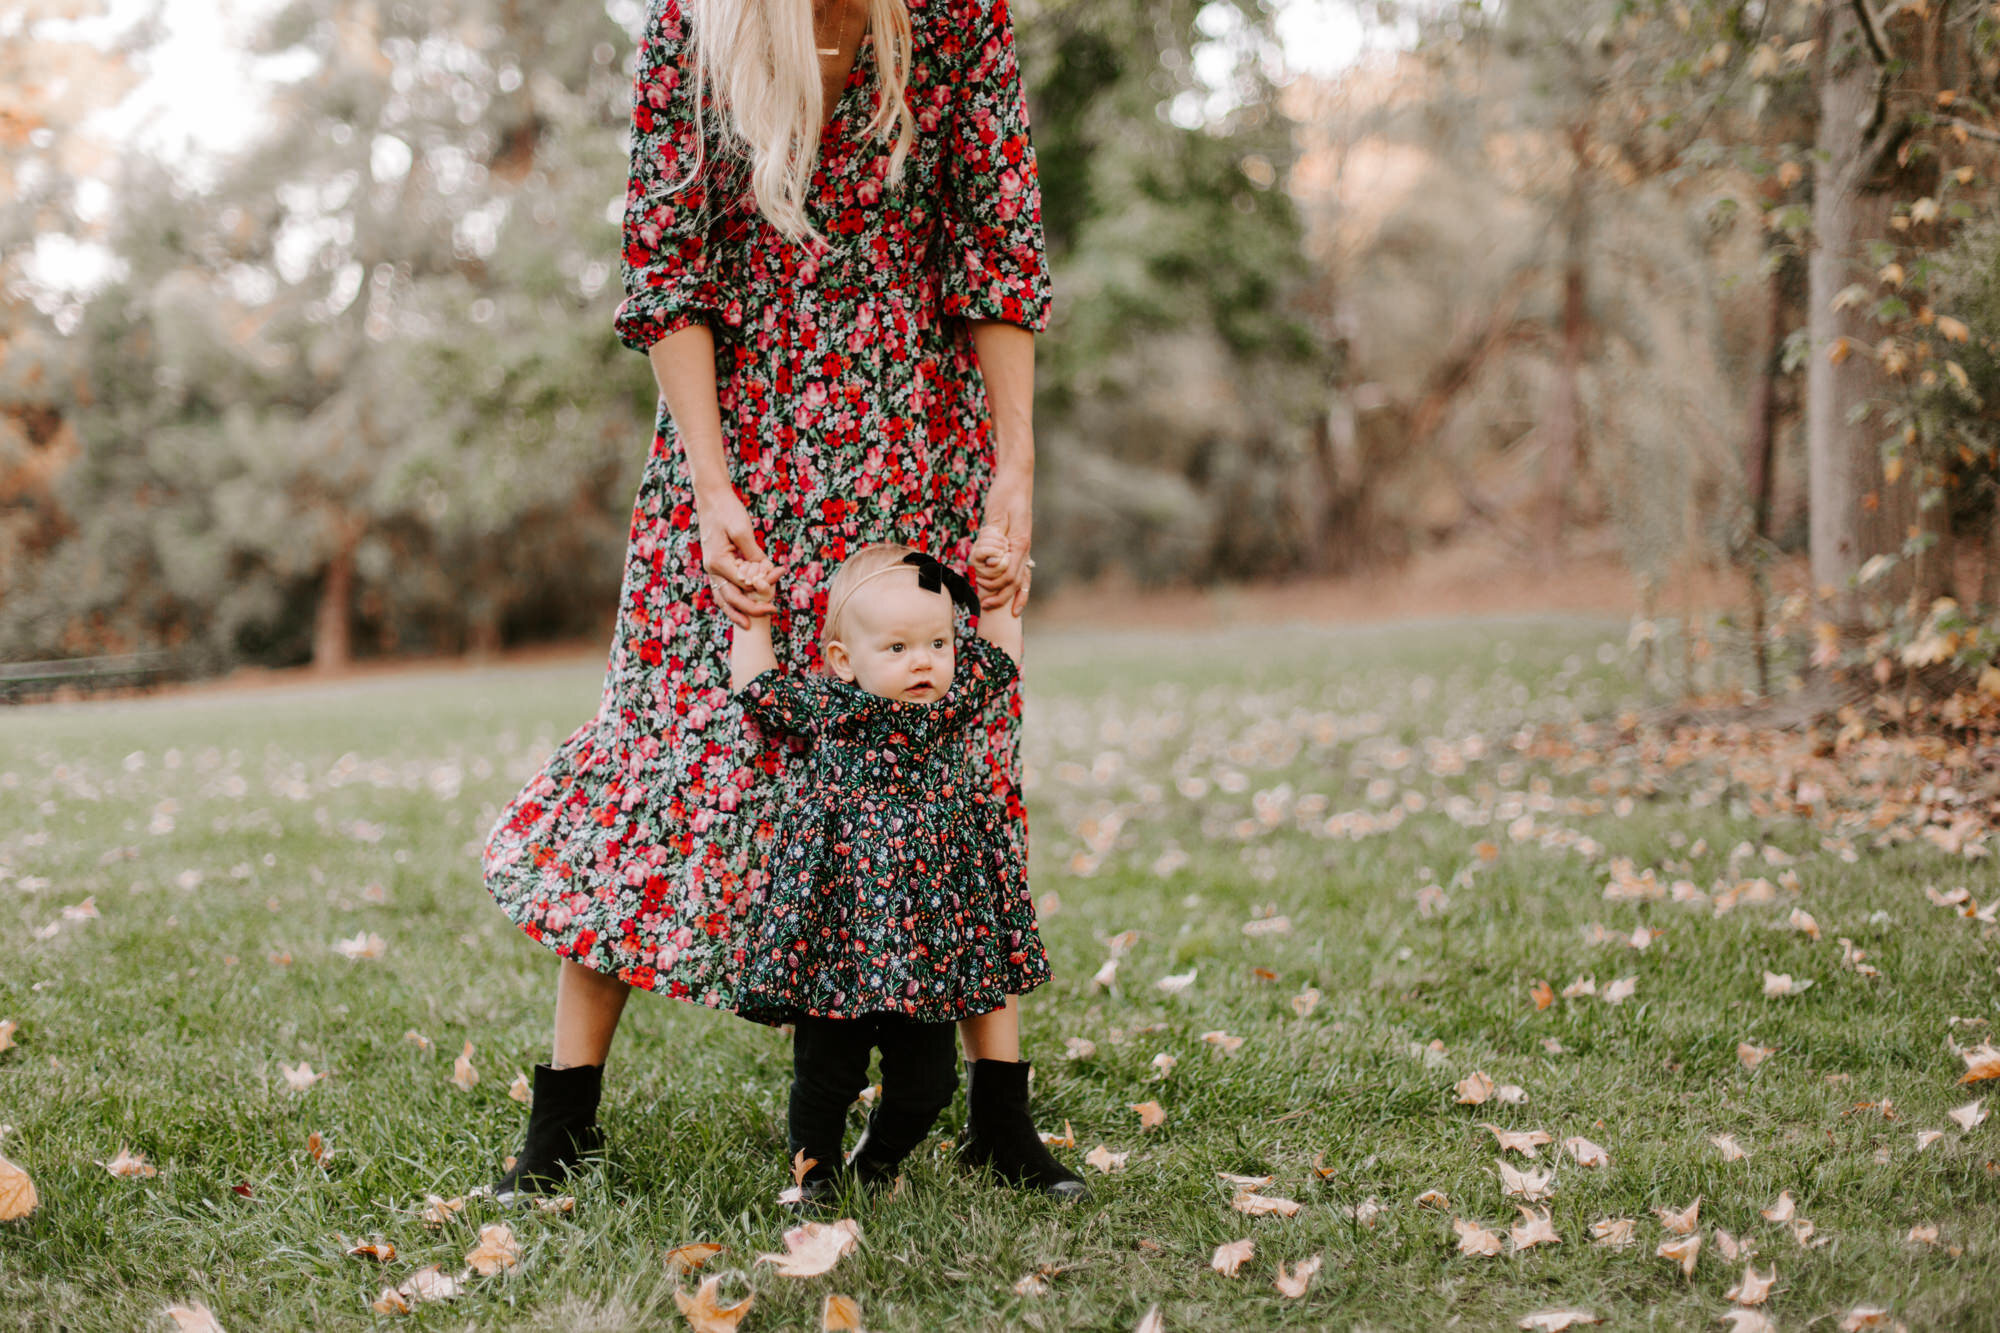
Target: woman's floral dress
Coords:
[[889, 861], [853, 411]]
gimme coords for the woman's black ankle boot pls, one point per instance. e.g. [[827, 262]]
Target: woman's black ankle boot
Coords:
[[999, 1132], [562, 1131]]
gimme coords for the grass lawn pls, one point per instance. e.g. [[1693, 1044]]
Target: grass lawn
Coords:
[[1182, 788]]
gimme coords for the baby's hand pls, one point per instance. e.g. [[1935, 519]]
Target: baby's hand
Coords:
[[989, 553], [763, 576]]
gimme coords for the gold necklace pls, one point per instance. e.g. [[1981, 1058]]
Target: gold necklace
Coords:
[[817, 39]]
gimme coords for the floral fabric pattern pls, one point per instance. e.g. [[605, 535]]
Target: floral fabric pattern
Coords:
[[888, 869], [853, 412]]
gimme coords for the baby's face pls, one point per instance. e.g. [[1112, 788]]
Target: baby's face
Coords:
[[895, 641]]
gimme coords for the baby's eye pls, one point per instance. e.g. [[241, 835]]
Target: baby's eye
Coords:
[[937, 643], [895, 647]]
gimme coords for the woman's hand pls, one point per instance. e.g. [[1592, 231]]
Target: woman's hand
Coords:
[[740, 575], [1000, 558]]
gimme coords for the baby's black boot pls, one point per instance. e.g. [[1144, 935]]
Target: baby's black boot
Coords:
[[562, 1131], [999, 1132]]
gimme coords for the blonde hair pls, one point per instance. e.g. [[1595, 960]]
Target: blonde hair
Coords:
[[761, 58], [859, 567]]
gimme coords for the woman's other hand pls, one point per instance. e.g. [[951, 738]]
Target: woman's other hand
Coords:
[[740, 575]]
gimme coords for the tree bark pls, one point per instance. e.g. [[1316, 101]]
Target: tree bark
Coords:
[[1855, 514], [1563, 424], [332, 641], [1760, 462]]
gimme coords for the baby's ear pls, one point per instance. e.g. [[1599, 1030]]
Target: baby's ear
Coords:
[[837, 661]]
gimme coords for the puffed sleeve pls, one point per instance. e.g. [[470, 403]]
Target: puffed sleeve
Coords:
[[674, 244], [981, 672], [994, 265], [794, 704]]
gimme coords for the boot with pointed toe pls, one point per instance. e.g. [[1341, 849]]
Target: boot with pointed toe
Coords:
[[562, 1132], [1000, 1134]]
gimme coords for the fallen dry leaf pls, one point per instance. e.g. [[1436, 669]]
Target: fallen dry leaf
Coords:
[[1533, 1229], [813, 1248], [1620, 990], [1321, 1169], [1733, 1249], [1066, 1139], [1106, 976], [1782, 983], [1078, 1048], [1615, 1232], [8, 1027], [1542, 994], [1585, 1152], [1731, 1150], [1511, 1094], [1256, 1205], [1105, 1160], [520, 1090], [1150, 1322], [194, 1317], [1981, 1062], [1232, 1256], [1525, 1142], [316, 1148], [365, 945], [1923, 1235], [427, 1284], [1433, 1199], [1751, 1056], [1801, 920], [381, 1251], [1177, 984], [688, 1258], [417, 1039], [1781, 1211], [1293, 1285], [1269, 925], [840, 1314], [1306, 1001], [1747, 1321], [1222, 1041], [1865, 1317], [1474, 1238], [1579, 988], [462, 1072], [1754, 1289], [128, 1163], [1245, 1182], [1554, 1321], [1530, 1185], [1365, 1212], [1151, 1114], [1682, 1252], [438, 1211], [496, 1251], [299, 1077], [705, 1312], [1680, 1223], [1163, 1065], [1474, 1088], [1969, 1116], [1926, 1137], [17, 1192]]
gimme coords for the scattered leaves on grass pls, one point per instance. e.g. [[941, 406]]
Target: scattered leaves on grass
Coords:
[[417, 1039], [840, 1314], [1151, 1114], [1802, 921], [1243, 1182], [381, 1251], [496, 1251], [365, 945], [1150, 1322], [1747, 1321], [1178, 983], [689, 1258], [17, 1192], [1613, 1232], [1781, 1211], [1105, 1160], [299, 1077], [1969, 1116], [1579, 988], [1306, 1001], [1534, 1186], [1682, 1252], [1981, 1062], [1751, 1056], [1231, 1256], [813, 1248], [1926, 1137], [1066, 1139], [1754, 1289], [1680, 1223], [128, 1164], [1782, 983], [439, 1211], [1533, 1229], [1293, 1285], [705, 1312], [1222, 1041], [1731, 1150], [1620, 990], [1734, 1249], [1585, 1152], [1554, 1321], [194, 1317], [1542, 994], [1474, 1089], [1433, 1199], [1269, 925], [1365, 1212], [1922, 1235], [426, 1284], [462, 1072], [1474, 1238], [1256, 1205], [1865, 1317], [8, 1027], [519, 1089], [1163, 1065], [1525, 1142], [1106, 976]]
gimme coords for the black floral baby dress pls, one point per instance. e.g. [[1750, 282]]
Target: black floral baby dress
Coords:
[[892, 886]]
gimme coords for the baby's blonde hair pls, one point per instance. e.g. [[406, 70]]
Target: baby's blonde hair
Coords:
[[862, 564]]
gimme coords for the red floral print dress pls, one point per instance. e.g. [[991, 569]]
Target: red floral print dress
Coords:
[[853, 412], [891, 879]]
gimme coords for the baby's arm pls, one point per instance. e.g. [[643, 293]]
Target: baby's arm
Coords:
[[750, 650], [1000, 625]]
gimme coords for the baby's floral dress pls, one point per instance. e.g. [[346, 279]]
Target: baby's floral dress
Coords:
[[892, 887], [853, 411]]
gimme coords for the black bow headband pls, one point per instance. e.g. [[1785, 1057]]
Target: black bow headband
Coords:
[[933, 575]]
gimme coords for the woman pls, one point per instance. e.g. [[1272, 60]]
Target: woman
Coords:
[[833, 259]]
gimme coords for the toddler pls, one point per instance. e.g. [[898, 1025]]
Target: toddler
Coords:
[[878, 928]]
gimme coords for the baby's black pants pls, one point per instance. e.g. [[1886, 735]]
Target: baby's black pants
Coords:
[[830, 1069]]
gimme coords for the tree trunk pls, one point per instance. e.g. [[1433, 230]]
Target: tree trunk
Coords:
[[332, 643], [1760, 457], [1563, 422], [1855, 514]]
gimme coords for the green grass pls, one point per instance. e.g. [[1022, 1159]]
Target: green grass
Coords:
[[1168, 775]]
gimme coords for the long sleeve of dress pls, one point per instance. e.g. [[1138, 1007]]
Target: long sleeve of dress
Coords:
[[673, 252], [786, 703], [982, 671], [994, 265]]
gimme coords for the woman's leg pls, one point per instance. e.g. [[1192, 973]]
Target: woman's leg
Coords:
[[562, 1112], [588, 1005]]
